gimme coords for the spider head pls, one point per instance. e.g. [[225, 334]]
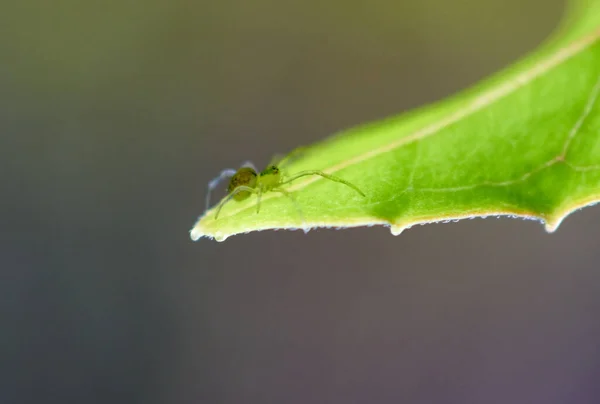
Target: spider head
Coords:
[[270, 177]]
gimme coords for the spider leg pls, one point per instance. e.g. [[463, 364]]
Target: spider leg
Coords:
[[258, 197], [324, 175], [250, 165], [276, 159], [295, 202], [215, 182], [281, 160], [239, 189]]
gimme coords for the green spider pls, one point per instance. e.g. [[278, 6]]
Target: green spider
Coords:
[[247, 180]]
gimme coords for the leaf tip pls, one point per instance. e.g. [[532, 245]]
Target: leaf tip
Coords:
[[199, 231], [203, 229], [196, 233]]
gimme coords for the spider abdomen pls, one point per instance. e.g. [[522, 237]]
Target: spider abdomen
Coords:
[[244, 176]]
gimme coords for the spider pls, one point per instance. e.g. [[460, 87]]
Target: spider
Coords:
[[247, 180]]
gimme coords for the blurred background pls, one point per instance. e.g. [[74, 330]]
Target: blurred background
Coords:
[[114, 115]]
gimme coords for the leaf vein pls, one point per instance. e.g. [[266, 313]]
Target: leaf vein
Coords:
[[586, 112]]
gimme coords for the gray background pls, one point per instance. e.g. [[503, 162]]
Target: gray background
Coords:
[[115, 114]]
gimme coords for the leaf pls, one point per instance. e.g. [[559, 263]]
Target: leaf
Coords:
[[522, 143]]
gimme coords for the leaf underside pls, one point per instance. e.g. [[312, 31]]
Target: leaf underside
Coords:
[[522, 143]]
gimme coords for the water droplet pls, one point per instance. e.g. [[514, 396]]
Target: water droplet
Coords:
[[220, 237], [397, 229]]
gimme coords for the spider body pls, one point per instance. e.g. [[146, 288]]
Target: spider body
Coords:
[[270, 177], [246, 176], [247, 181]]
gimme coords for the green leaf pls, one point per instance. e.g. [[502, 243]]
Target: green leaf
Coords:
[[524, 143]]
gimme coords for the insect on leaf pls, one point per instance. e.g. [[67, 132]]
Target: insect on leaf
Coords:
[[525, 142]]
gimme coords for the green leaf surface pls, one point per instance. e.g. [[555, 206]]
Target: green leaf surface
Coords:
[[524, 142]]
